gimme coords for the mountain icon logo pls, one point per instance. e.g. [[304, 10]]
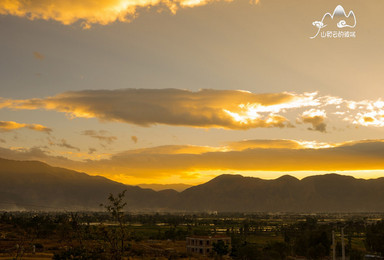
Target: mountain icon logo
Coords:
[[339, 17]]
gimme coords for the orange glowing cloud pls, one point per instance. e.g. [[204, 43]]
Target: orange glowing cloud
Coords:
[[11, 125], [264, 144], [366, 113], [89, 12], [145, 107], [364, 155], [316, 118], [251, 155], [208, 108]]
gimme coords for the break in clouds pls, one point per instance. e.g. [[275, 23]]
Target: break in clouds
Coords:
[[207, 108]]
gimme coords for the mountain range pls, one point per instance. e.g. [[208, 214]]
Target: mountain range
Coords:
[[158, 187], [33, 185]]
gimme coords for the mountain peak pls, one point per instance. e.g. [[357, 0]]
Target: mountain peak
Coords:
[[58, 188], [329, 176], [228, 177], [287, 178]]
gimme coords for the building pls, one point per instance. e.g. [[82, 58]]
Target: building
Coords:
[[203, 245], [373, 257]]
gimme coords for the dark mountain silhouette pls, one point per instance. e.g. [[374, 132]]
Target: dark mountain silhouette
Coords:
[[158, 187], [321, 193], [35, 185]]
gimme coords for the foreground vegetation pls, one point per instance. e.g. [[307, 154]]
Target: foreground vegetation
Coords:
[[114, 234]]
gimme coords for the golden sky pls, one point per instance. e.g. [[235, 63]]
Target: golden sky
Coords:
[[167, 91]]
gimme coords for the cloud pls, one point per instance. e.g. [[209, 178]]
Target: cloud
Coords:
[[61, 143], [230, 109], [370, 118], [264, 144], [100, 135], [316, 118], [367, 112], [92, 150], [365, 155], [11, 125], [34, 153], [186, 161], [134, 139], [89, 12], [38, 55], [65, 144], [275, 144], [207, 108], [173, 149]]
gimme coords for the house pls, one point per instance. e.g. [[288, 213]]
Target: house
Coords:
[[203, 245]]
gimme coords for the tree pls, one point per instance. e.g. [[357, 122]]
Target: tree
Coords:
[[116, 236], [245, 251], [375, 238], [220, 248]]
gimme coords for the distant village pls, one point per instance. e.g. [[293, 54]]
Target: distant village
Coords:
[[97, 235]]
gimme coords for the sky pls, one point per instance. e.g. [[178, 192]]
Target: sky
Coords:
[[162, 91]]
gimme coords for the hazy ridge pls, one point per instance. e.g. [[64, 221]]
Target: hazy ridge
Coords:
[[158, 187], [33, 185]]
